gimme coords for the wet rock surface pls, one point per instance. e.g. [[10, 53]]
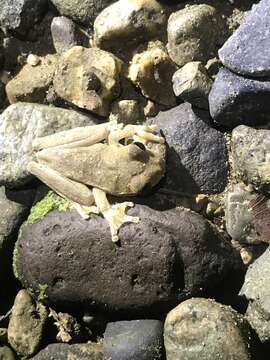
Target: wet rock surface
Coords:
[[197, 154], [247, 52], [205, 329], [19, 125], [235, 100], [155, 263], [135, 339]]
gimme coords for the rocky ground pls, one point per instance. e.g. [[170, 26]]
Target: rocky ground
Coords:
[[191, 279]]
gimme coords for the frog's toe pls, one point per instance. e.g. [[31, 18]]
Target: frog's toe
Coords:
[[86, 211]]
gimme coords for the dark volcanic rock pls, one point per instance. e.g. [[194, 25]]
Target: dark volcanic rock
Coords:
[[20, 15], [133, 340], [197, 155], [166, 255], [89, 351], [247, 51], [235, 100]]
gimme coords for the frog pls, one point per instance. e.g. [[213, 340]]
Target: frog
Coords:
[[87, 163]]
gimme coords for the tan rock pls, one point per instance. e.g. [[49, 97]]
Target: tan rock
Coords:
[[126, 23], [32, 82], [88, 78], [151, 70]]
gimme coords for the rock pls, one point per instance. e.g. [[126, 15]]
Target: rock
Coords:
[[250, 148], [26, 324], [33, 82], [89, 351], [256, 289], [82, 11], [151, 70], [88, 78], [125, 24], [247, 50], [65, 34], [166, 255], [135, 339], [193, 84], [20, 124], [235, 100], [127, 112], [193, 34], [6, 353], [21, 15], [197, 155], [204, 329]]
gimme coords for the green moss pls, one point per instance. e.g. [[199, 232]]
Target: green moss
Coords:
[[49, 203]]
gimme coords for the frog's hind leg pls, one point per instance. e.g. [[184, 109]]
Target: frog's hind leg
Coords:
[[114, 214], [72, 190]]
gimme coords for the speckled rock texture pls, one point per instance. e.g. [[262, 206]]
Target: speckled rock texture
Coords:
[[65, 34], [20, 124], [250, 149], [82, 11], [247, 51], [203, 329], [135, 339], [197, 154], [165, 256], [89, 351], [235, 100], [256, 289], [26, 324]]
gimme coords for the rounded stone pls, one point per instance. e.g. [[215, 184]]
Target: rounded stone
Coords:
[[201, 328]]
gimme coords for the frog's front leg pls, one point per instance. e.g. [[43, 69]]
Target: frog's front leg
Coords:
[[114, 214], [72, 190]]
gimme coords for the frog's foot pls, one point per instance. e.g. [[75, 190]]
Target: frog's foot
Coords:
[[116, 216], [86, 211]]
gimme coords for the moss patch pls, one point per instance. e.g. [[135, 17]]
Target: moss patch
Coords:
[[49, 203]]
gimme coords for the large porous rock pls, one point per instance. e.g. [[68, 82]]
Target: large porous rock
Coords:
[[33, 82], [247, 51], [88, 78], [21, 15], [256, 289], [125, 24], [20, 124], [166, 255], [26, 325], [152, 70], [197, 155], [135, 339], [192, 83], [82, 11], [204, 329], [250, 149], [235, 100], [89, 351], [193, 34]]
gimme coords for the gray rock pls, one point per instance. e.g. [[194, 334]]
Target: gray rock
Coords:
[[235, 100], [192, 84], [64, 34], [89, 351], [193, 34], [197, 155], [250, 148], [133, 340], [82, 11], [26, 324], [256, 289], [247, 51], [166, 255], [6, 353], [125, 24], [204, 329], [21, 15], [20, 124]]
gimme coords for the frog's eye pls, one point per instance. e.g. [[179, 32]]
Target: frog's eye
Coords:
[[140, 145]]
